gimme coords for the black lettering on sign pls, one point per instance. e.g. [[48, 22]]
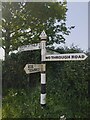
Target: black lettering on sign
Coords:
[[30, 66], [59, 57], [35, 69], [82, 56], [30, 70], [54, 57], [79, 56], [66, 57], [48, 57], [74, 56], [39, 46]]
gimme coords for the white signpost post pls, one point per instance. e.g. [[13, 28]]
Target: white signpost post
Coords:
[[33, 68], [43, 37]]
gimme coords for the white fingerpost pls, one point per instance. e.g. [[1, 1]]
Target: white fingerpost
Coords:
[[43, 37]]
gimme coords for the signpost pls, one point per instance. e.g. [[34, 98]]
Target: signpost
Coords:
[[33, 68], [66, 57], [43, 37], [29, 47]]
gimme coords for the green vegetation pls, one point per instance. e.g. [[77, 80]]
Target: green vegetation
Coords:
[[22, 23], [67, 82], [67, 92], [25, 104]]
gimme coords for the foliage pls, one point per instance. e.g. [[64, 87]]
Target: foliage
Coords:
[[22, 23], [67, 92], [67, 82], [71, 80], [13, 72], [26, 105]]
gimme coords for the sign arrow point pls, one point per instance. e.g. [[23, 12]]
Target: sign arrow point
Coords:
[[85, 56]]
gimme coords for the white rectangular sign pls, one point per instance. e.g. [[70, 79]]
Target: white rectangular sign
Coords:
[[33, 68], [29, 47], [66, 57]]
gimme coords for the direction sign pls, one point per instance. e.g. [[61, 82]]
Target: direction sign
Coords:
[[66, 57], [33, 68], [29, 47]]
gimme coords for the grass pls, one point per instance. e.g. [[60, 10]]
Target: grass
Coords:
[[26, 104]]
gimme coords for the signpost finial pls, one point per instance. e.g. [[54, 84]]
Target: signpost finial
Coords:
[[43, 35]]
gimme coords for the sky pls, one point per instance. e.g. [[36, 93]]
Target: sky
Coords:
[[77, 15]]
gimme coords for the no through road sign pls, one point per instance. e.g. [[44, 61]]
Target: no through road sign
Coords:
[[66, 57]]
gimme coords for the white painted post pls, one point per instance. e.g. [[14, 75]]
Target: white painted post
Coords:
[[43, 37]]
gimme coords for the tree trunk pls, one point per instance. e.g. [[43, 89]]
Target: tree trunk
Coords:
[[6, 54], [7, 44]]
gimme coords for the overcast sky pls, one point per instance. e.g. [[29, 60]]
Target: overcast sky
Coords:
[[77, 15]]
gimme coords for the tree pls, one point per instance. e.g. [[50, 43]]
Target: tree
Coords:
[[22, 23], [9, 11]]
